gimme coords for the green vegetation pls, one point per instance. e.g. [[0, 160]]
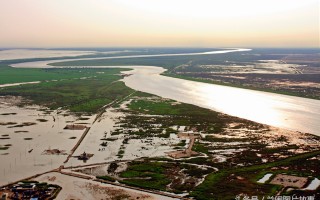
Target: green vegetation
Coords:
[[228, 183], [178, 66], [107, 178], [182, 143], [167, 107], [200, 148], [121, 152], [155, 107], [142, 118], [87, 90], [229, 179], [239, 174], [93, 89], [194, 68], [167, 176], [174, 113], [18, 75], [80, 90], [146, 175]]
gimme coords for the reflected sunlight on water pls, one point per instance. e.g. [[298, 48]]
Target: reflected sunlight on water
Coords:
[[294, 113], [242, 103]]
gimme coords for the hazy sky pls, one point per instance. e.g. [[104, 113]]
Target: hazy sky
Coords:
[[199, 23]]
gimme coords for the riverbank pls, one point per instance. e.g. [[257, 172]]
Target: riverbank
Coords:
[[238, 86], [130, 140]]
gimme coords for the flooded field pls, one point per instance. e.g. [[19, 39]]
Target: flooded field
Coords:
[[106, 146], [26, 133], [77, 188], [174, 140]]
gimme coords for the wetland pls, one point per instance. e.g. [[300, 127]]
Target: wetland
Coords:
[[131, 132]]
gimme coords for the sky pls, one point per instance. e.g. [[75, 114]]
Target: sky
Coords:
[[160, 23]]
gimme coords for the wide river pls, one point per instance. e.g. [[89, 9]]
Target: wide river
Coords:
[[294, 113]]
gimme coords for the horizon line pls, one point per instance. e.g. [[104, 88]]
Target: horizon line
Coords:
[[162, 47]]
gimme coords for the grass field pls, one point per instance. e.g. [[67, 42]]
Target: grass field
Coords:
[[158, 175], [80, 90], [147, 175]]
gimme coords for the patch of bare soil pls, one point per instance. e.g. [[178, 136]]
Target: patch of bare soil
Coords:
[[289, 181]]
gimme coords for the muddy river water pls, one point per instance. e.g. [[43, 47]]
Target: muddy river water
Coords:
[[294, 113]]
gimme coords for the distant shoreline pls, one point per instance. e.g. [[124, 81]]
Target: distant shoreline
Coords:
[[235, 85]]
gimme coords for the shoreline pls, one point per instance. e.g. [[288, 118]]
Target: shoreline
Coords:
[[149, 79], [234, 85]]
